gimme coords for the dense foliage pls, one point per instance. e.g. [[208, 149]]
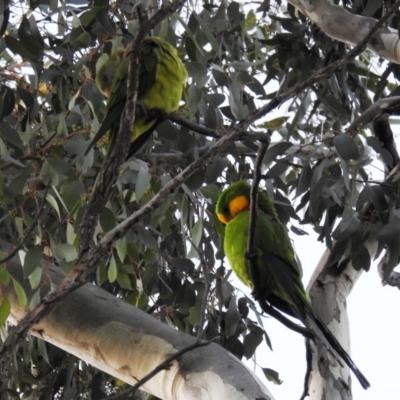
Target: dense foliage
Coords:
[[172, 264]]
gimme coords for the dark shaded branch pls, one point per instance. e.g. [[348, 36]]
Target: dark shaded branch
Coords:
[[202, 130], [204, 299], [389, 105], [308, 370], [383, 132], [251, 255]]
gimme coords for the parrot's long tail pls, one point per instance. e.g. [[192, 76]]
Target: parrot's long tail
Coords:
[[333, 345]]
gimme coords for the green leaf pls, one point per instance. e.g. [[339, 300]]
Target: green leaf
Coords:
[[112, 270], [251, 342], [65, 252], [142, 183], [123, 280], [122, 248], [346, 147], [53, 202], [35, 300], [362, 259], [82, 40], [32, 260], [211, 192], [232, 318], [4, 276], [276, 150], [197, 231], [198, 72], [20, 292], [272, 375], [5, 309], [43, 350], [194, 315], [107, 220], [35, 277]]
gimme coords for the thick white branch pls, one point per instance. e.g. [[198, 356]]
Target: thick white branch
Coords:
[[127, 343], [339, 24], [328, 290]]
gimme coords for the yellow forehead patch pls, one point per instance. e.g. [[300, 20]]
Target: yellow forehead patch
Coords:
[[238, 204], [222, 218]]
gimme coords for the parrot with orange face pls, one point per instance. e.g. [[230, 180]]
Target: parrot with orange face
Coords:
[[278, 273]]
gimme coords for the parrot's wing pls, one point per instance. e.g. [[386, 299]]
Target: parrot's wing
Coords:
[[140, 141], [113, 116], [276, 259], [286, 292], [115, 104], [149, 60], [287, 289]]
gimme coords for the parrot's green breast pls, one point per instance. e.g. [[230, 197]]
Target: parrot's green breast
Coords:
[[271, 237], [235, 246], [163, 89]]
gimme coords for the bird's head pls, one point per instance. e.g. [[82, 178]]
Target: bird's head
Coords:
[[236, 198], [106, 68], [233, 200]]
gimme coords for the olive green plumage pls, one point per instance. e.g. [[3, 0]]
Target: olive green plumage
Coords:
[[161, 82], [278, 272]]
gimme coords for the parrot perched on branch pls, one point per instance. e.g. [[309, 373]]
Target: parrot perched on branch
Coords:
[[162, 78], [278, 273]]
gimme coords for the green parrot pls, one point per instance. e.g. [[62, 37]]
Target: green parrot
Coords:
[[278, 272], [162, 78]]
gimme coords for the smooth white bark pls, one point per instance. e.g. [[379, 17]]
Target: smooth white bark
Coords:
[[127, 343], [328, 290]]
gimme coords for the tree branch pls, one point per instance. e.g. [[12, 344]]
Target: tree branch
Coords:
[[251, 255], [164, 365]]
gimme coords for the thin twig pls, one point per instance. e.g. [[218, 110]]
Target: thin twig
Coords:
[[308, 370], [378, 108], [181, 120], [251, 255], [204, 300], [164, 365]]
